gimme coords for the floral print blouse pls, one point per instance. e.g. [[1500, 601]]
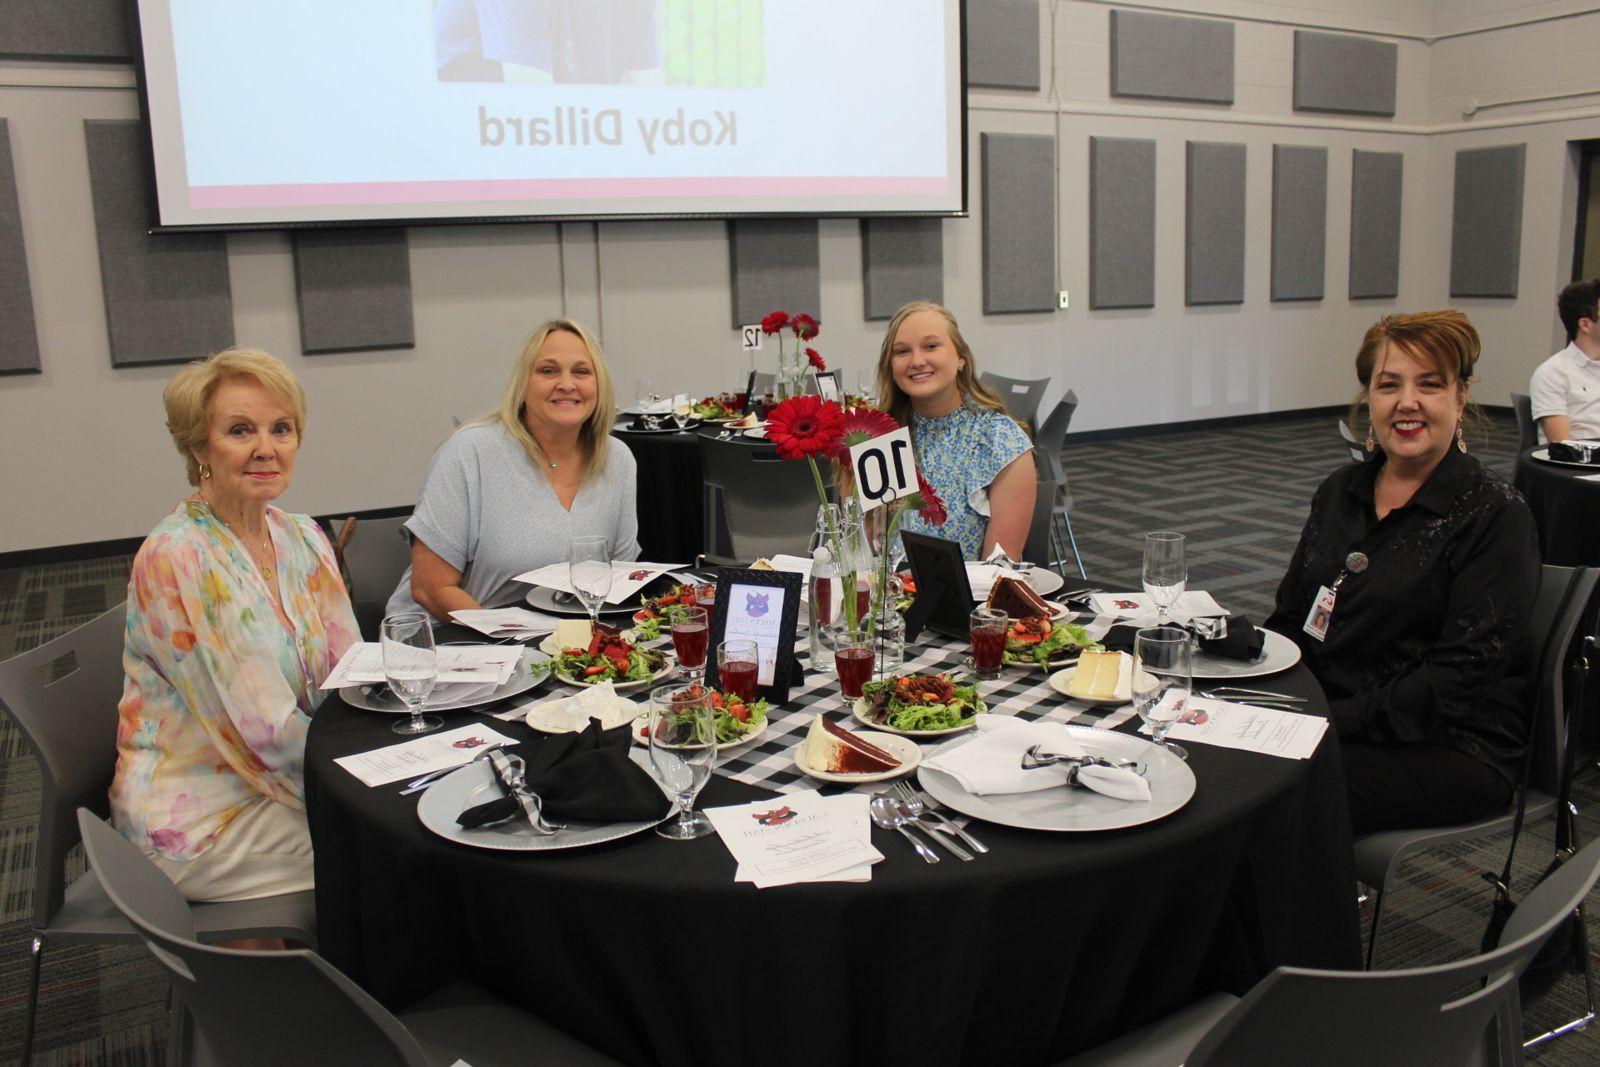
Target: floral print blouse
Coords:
[[218, 694], [961, 454]]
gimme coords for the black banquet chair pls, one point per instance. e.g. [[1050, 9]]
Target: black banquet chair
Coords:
[[269, 1008], [1022, 396], [762, 504]]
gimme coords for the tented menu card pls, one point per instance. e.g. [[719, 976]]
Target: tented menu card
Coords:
[[435, 752], [490, 665], [627, 578], [506, 622], [1194, 604], [798, 837], [1276, 733]]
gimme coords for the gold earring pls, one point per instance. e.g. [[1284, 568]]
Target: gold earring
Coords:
[[1461, 440], [205, 472], [1369, 444]]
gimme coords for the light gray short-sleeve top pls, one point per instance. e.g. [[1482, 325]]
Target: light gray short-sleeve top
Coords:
[[486, 510]]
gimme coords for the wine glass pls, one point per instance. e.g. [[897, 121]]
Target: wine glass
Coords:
[[680, 417], [682, 735], [646, 391], [411, 667], [1163, 670], [690, 632], [589, 572], [739, 668], [1165, 571]]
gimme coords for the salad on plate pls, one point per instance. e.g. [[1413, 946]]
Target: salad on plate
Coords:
[[736, 718], [919, 703], [1036, 641], [609, 657]]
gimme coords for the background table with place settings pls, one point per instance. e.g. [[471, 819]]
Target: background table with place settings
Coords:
[[1051, 943]]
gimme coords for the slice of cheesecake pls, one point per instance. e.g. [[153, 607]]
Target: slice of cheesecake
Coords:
[[834, 749], [1097, 676]]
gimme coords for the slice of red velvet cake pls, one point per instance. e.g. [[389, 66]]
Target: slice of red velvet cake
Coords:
[[1017, 599], [836, 750]]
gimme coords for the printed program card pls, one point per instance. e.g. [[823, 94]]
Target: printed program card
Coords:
[[1267, 730], [1194, 604], [798, 837], [506, 622], [453, 748], [627, 578], [362, 664]]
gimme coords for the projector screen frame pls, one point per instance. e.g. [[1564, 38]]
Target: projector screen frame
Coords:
[[157, 226]]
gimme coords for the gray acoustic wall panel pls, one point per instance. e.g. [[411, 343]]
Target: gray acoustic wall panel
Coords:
[[775, 266], [1171, 57], [1336, 72], [19, 337], [1003, 43], [1019, 223], [1214, 227], [1299, 221], [354, 289], [1375, 184], [901, 260], [1486, 230], [167, 297], [1122, 223], [67, 29]]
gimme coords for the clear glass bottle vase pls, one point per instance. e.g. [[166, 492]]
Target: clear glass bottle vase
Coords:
[[839, 554]]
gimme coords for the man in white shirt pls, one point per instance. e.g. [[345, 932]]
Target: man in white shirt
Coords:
[[1566, 387]]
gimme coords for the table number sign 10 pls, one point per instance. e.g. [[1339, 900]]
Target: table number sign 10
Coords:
[[885, 469]]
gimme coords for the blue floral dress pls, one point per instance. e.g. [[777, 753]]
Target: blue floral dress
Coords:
[[961, 454]]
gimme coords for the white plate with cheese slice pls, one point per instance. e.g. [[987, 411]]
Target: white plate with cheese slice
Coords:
[[1119, 693]]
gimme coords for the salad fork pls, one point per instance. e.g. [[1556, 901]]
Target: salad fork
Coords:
[[911, 803], [935, 834]]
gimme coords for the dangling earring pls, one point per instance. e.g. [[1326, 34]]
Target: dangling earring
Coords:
[[1369, 444], [205, 472], [1461, 440]]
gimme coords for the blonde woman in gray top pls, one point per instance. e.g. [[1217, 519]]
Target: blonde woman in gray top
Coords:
[[507, 492]]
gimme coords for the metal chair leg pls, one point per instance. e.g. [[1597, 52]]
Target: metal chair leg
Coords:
[[1377, 913], [1075, 554], [1588, 1016], [35, 958]]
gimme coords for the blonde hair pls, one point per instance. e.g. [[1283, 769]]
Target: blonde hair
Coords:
[[894, 401], [596, 432], [187, 396]]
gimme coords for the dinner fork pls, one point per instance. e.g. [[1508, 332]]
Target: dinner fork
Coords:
[[912, 804]]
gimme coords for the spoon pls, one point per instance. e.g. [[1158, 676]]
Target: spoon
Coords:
[[886, 815]]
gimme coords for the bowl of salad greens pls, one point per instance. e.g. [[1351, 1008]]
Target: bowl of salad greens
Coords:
[[919, 705]]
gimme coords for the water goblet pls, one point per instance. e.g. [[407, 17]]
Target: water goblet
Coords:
[[690, 632], [682, 735], [1163, 671], [739, 668], [589, 573], [1165, 571], [411, 667], [987, 627]]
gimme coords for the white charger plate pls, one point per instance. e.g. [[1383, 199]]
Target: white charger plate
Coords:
[[444, 799], [376, 696], [1278, 653], [1172, 785], [902, 748]]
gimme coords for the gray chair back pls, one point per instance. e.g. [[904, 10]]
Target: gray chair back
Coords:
[[70, 722], [1053, 433], [1557, 612], [1047, 467], [331, 1020], [768, 505], [1021, 396], [376, 558], [1423, 1015], [1357, 449], [1527, 432]]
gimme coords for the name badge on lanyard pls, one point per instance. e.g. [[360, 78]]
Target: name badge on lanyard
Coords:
[[1320, 617]]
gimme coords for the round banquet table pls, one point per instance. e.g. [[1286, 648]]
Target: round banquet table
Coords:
[[1566, 508], [671, 491], [648, 950]]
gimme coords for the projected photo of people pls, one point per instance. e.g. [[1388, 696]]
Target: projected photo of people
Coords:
[[703, 43]]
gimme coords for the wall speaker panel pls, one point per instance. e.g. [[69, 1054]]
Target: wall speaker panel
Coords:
[[902, 260], [1375, 186], [775, 266], [1215, 224], [1299, 221], [1486, 230], [1171, 57], [354, 289], [1019, 223], [1122, 222]]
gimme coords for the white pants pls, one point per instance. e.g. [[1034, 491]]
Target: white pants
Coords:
[[264, 851]]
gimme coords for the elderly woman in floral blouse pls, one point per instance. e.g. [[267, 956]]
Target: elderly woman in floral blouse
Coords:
[[236, 613]]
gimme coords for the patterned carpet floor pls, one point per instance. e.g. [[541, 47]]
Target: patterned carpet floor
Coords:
[[1239, 493]]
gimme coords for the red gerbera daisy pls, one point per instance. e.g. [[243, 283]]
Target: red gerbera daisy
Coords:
[[815, 359], [774, 321], [804, 326], [927, 503], [805, 426], [862, 424]]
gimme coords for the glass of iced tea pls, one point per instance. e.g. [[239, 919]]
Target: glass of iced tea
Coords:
[[690, 632], [987, 627], [853, 659], [738, 665]]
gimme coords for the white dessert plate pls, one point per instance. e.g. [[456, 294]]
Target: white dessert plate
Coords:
[[1278, 653], [860, 711], [376, 696], [758, 432], [907, 751], [443, 801], [1124, 694], [1172, 785], [563, 716]]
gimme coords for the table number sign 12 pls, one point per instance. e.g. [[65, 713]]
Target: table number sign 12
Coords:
[[885, 469], [750, 337]]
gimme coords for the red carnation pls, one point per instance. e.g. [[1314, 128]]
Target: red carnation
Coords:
[[805, 426], [815, 359], [774, 322], [928, 504], [804, 326]]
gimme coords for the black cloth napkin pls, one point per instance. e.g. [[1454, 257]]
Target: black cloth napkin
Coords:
[[1574, 453], [585, 775], [1244, 642]]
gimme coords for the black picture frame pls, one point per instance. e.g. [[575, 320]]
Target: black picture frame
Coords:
[[750, 393], [944, 594], [834, 391], [785, 667]]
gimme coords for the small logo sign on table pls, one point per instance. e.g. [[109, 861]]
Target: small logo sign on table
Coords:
[[764, 607]]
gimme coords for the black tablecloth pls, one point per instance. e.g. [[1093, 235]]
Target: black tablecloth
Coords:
[[1050, 944], [671, 495], [1566, 507]]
